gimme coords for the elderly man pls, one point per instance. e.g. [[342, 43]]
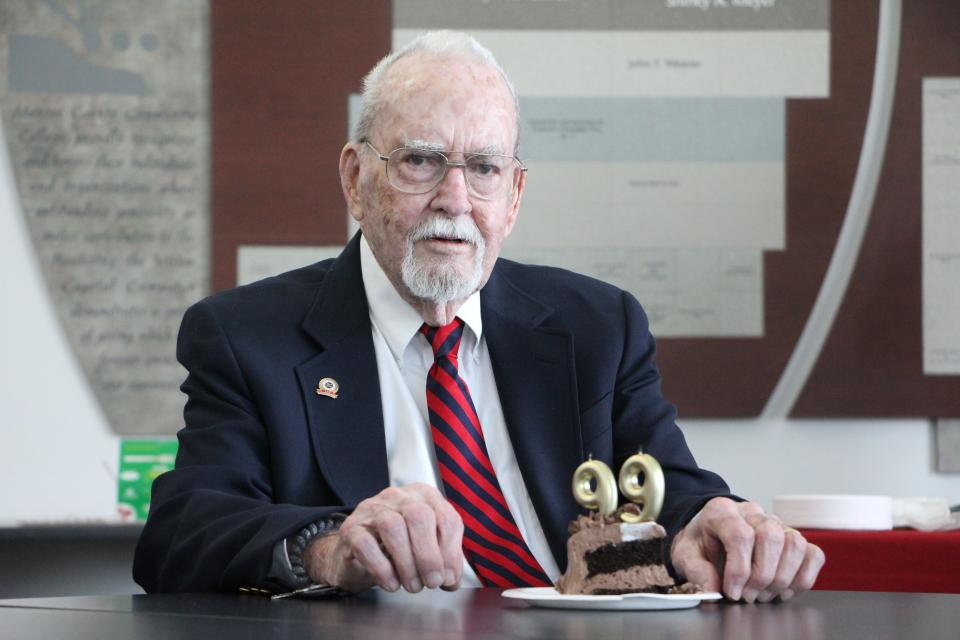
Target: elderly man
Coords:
[[410, 414]]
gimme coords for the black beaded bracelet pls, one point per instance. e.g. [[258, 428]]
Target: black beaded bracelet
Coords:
[[303, 539]]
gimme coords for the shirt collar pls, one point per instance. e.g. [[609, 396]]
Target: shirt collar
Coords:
[[397, 321]]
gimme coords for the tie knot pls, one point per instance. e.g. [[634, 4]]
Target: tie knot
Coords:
[[445, 340]]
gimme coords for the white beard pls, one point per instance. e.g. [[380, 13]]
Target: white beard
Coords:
[[438, 281]]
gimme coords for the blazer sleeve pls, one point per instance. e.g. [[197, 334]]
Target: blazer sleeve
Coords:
[[213, 520], [642, 416]]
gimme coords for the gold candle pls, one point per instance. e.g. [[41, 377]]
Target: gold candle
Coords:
[[603, 498], [649, 494]]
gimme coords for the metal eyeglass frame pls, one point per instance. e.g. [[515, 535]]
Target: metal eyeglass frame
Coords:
[[443, 176]]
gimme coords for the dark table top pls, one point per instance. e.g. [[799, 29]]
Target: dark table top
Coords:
[[479, 613]]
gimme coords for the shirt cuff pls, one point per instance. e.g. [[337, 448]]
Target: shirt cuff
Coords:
[[281, 570]]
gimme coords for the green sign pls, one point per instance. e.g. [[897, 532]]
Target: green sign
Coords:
[[141, 461]]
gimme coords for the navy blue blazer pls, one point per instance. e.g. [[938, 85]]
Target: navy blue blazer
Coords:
[[262, 454]]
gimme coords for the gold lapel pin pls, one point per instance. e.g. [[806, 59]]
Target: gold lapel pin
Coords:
[[328, 387]]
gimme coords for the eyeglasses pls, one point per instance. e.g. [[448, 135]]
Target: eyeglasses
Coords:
[[416, 171]]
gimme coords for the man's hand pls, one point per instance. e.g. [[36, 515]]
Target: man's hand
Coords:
[[404, 536], [751, 554]]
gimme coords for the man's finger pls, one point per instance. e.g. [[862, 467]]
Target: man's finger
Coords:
[[450, 533], [421, 524], [737, 538], [700, 571], [450, 538], [748, 508], [698, 556], [810, 568], [391, 528], [364, 547], [791, 559], [767, 549]]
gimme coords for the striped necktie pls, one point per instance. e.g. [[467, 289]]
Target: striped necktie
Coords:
[[492, 542]]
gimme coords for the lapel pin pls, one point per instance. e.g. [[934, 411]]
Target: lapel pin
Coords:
[[328, 387]]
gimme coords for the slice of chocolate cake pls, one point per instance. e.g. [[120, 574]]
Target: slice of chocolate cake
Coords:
[[608, 556]]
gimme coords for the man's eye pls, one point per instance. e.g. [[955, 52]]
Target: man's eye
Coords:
[[420, 160], [484, 167]]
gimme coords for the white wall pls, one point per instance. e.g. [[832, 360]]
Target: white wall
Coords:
[[764, 458], [58, 459]]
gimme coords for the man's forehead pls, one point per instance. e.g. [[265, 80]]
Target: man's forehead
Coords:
[[418, 76], [428, 68], [429, 99]]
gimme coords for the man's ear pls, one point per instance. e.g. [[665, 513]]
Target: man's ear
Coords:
[[350, 179], [515, 203]]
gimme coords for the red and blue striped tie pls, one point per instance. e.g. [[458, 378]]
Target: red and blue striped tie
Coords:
[[492, 542]]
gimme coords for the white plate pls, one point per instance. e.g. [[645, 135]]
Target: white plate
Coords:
[[550, 597]]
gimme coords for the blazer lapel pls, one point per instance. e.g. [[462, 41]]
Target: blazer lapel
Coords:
[[534, 368], [346, 430]]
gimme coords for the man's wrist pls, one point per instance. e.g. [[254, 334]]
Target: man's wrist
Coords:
[[317, 556], [299, 548]]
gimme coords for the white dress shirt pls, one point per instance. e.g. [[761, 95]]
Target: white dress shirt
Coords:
[[404, 357]]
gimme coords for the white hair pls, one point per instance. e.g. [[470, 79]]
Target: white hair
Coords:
[[440, 44]]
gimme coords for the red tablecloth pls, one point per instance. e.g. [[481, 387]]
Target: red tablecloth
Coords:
[[898, 560]]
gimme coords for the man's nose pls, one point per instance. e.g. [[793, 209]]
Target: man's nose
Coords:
[[453, 195]]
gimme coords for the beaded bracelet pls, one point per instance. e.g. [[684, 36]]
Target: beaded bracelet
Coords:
[[303, 539]]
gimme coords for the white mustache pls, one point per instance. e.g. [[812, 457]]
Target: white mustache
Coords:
[[462, 228]]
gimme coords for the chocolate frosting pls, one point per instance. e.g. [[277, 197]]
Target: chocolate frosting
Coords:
[[596, 519], [591, 532]]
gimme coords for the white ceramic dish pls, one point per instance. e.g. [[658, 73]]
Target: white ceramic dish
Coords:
[[550, 597]]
